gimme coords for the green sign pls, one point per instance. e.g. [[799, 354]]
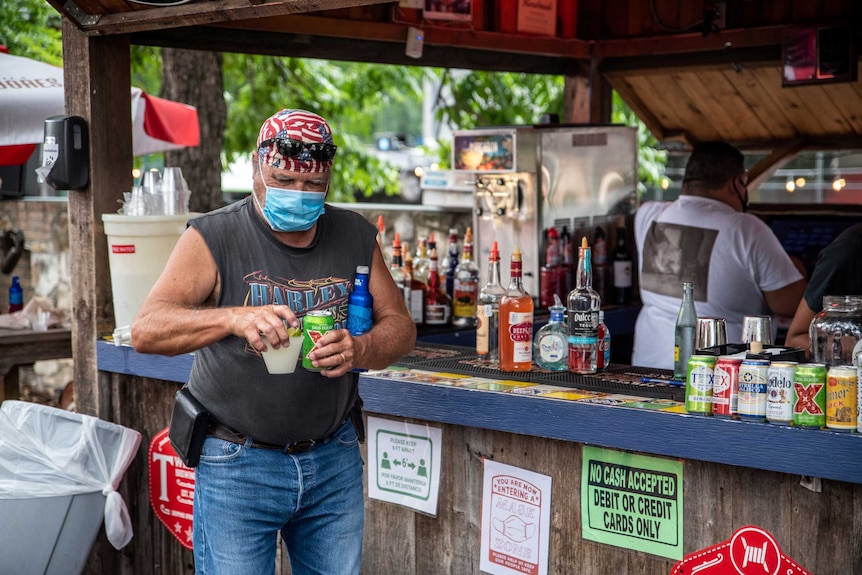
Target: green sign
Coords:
[[632, 501]]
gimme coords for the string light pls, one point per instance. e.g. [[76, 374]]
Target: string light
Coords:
[[790, 185], [800, 182], [838, 183], [665, 182]]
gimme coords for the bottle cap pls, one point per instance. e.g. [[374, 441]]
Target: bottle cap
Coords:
[[558, 308], [756, 347], [495, 252], [362, 269]]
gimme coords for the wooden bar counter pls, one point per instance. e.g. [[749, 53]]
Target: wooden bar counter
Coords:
[[803, 486]]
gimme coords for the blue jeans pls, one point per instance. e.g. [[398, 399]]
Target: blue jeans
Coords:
[[245, 495]]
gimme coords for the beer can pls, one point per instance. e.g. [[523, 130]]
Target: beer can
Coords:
[[314, 325], [809, 395], [699, 384], [841, 398], [753, 381], [859, 391], [725, 387], [779, 392]]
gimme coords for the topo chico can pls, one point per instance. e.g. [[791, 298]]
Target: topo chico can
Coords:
[[779, 392], [753, 380], [841, 398], [725, 386], [314, 325], [699, 384], [809, 395]]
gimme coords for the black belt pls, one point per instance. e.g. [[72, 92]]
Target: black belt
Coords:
[[221, 431]]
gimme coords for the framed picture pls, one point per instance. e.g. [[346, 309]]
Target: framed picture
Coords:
[[818, 55], [448, 9]]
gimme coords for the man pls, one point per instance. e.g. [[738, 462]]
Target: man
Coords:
[[282, 454], [735, 261], [838, 271]]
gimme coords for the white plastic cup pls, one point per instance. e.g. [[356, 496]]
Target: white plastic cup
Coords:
[[283, 359]]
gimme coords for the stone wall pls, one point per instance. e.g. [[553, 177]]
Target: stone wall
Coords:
[[44, 270]]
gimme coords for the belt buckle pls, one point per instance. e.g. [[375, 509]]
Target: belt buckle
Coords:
[[300, 446]]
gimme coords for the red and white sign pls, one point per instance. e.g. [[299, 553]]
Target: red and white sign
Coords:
[[750, 551], [172, 488]]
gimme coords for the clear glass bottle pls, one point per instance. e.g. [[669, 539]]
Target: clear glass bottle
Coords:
[[381, 237], [397, 271], [438, 306], [417, 291], [449, 263], [488, 312], [516, 321], [683, 338], [551, 348], [835, 333], [420, 261], [584, 304], [465, 289]]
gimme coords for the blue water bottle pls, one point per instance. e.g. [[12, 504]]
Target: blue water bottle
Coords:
[[360, 304], [16, 296]]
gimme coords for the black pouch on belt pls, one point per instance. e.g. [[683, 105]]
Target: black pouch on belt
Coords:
[[188, 429], [356, 418]]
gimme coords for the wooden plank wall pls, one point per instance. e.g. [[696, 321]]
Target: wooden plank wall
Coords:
[[821, 530]]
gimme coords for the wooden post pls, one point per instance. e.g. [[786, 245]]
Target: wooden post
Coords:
[[586, 96], [97, 80]]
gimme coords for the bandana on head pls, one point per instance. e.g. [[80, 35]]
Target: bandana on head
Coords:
[[299, 125]]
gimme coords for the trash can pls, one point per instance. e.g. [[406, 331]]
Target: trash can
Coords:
[[138, 249], [59, 472]]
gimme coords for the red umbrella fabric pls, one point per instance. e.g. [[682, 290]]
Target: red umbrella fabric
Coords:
[[31, 91]]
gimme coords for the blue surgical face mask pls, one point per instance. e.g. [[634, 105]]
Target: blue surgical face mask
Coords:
[[291, 210]]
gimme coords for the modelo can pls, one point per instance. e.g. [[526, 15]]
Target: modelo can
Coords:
[[753, 381], [841, 398], [314, 325], [699, 384], [809, 395], [725, 386], [779, 392]]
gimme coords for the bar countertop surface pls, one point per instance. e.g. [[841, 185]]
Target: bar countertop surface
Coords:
[[653, 426]]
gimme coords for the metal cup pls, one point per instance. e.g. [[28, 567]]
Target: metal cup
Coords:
[[757, 328], [710, 332]]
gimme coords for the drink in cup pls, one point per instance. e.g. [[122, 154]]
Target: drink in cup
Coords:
[[283, 359]]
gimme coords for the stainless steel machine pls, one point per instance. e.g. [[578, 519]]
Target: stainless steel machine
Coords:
[[527, 179]]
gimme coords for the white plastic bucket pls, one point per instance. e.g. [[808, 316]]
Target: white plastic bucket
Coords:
[[138, 249]]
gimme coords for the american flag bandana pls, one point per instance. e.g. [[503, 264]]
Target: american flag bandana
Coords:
[[298, 125]]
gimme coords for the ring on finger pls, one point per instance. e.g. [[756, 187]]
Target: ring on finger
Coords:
[[343, 358]]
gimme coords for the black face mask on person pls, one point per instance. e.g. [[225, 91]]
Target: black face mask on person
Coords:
[[737, 183]]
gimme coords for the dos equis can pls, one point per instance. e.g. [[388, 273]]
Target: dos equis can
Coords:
[[314, 325], [725, 386], [779, 392], [809, 395], [753, 379], [699, 384], [841, 398]]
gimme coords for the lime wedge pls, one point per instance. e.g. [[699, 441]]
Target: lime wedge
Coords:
[[294, 331]]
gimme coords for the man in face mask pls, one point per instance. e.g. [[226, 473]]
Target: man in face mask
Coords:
[[736, 263], [281, 452]]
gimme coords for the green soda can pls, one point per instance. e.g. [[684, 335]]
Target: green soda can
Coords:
[[809, 395], [314, 325], [699, 384]]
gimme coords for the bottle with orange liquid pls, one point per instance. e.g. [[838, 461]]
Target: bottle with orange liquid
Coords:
[[516, 322]]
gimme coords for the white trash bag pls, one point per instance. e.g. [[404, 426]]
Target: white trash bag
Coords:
[[46, 452]]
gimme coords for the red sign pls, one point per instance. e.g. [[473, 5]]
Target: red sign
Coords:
[[751, 551], [172, 488], [122, 248]]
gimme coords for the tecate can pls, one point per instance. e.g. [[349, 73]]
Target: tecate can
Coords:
[[779, 392], [699, 384], [314, 325], [809, 395], [841, 398], [725, 386], [753, 381]]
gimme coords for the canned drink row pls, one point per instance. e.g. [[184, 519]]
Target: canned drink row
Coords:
[[782, 393]]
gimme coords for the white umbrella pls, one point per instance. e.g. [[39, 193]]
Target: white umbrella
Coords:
[[31, 91]]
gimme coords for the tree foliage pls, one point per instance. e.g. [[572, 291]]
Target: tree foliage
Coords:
[[32, 29]]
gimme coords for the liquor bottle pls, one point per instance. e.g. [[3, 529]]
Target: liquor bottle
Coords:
[[420, 261], [360, 303], [622, 270], [466, 286], [584, 305], [437, 303], [449, 263], [567, 259], [551, 348], [516, 321], [488, 312], [603, 360], [417, 292], [381, 234], [549, 276], [601, 269], [683, 339], [16, 295]]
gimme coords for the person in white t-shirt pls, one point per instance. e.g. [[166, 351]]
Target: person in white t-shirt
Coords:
[[736, 263]]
